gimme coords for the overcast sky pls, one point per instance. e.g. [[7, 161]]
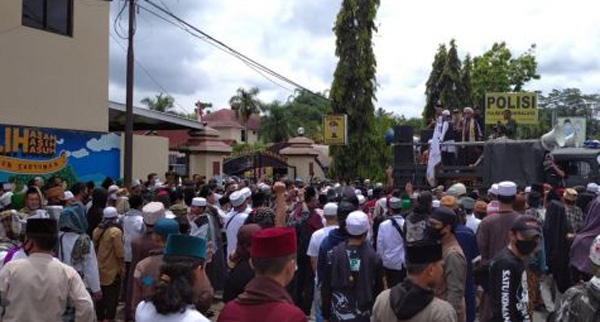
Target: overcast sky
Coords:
[[295, 38]]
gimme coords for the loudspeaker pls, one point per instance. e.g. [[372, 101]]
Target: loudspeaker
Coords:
[[403, 154], [404, 134]]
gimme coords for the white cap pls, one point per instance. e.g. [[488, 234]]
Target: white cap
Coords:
[[528, 189], [361, 199], [595, 251], [263, 187], [6, 199], [110, 212], [507, 189], [370, 193], [136, 183], [330, 209], [457, 189], [246, 192], [358, 192], [357, 223], [494, 189], [237, 198], [113, 189], [68, 195], [199, 202], [446, 112], [382, 203], [435, 204], [152, 212], [592, 187]]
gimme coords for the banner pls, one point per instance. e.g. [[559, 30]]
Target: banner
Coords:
[[575, 126], [27, 152], [522, 106], [335, 129]]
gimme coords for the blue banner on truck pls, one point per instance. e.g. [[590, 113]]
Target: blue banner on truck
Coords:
[[28, 152]]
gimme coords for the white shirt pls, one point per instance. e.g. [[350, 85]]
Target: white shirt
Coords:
[[473, 222], [390, 245], [133, 227], [316, 239], [233, 222], [88, 268], [37, 288], [146, 312]]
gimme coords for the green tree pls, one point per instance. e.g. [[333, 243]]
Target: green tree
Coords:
[[245, 103], [569, 102], [498, 71], [353, 88], [161, 103], [432, 90], [276, 124], [450, 84], [465, 78]]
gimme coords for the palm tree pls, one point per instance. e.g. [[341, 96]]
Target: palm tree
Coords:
[[162, 103], [276, 125], [245, 103]]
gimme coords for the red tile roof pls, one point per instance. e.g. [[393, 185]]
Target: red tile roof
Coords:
[[225, 118]]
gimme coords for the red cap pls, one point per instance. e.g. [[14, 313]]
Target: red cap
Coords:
[[273, 243]]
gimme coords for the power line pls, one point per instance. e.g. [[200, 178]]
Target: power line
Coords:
[[232, 51], [184, 28], [182, 109]]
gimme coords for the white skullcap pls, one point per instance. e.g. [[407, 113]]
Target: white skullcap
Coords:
[[592, 187], [357, 223], [237, 198], [330, 209], [110, 212], [152, 212], [199, 202], [507, 189], [361, 199], [68, 195], [247, 192]]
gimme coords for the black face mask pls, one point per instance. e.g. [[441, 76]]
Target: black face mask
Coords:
[[434, 233], [526, 247]]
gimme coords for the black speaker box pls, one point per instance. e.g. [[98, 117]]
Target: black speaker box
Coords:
[[403, 134]]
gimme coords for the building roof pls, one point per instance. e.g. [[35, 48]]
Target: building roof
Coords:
[[145, 119], [226, 118]]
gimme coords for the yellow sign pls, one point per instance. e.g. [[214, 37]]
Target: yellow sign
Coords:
[[522, 106], [335, 129], [15, 165]]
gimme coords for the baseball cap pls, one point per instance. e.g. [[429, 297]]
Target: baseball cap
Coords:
[[595, 251], [528, 226], [570, 194]]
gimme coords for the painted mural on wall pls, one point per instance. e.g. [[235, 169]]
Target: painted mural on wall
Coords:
[[27, 152]]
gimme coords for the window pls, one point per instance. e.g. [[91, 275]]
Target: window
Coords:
[[51, 15], [216, 168], [243, 136]]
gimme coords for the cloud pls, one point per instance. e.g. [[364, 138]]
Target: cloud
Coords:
[[295, 38], [81, 153], [106, 142]]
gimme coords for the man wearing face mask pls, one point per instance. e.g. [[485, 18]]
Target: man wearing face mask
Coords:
[[442, 225], [507, 271]]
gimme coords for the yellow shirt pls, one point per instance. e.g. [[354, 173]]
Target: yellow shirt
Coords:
[[110, 253], [37, 288]]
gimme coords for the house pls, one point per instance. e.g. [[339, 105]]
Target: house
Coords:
[[231, 128], [54, 63]]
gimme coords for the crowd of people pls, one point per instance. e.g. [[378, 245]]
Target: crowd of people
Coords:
[[295, 251]]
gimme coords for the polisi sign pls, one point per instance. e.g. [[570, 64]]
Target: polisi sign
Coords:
[[523, 107]]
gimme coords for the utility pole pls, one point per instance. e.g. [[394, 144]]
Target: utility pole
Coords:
[[128, 159]]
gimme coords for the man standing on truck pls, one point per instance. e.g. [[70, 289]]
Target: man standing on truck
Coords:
[[447, 138], [510, 127], [471, 132]]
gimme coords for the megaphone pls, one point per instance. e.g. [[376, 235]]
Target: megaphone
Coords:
[[554, 139]]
